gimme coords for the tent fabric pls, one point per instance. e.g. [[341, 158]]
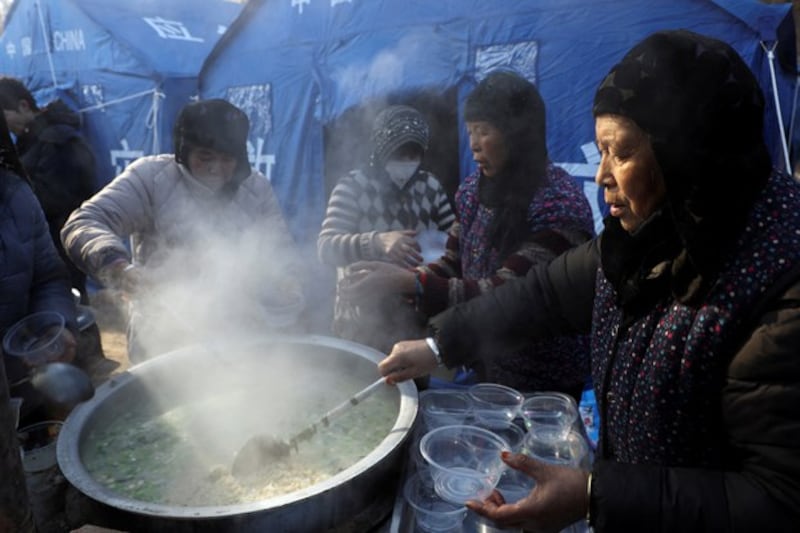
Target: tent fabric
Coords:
[[128, 66], [297, 66]]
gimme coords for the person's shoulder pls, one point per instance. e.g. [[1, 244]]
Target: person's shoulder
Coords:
[[17, 194], [470, 183], [429, 179], [354, 182], [153, 163], [257, 184]]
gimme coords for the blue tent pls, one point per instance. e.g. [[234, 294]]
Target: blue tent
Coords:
[[301, 68], [128, 66]]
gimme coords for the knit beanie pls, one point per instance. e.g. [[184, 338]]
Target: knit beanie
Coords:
[[393, 127], [217, 125]]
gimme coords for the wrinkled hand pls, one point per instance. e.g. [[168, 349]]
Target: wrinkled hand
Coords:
[[558, 499], [366, 281], [401, 247], [408, 360]]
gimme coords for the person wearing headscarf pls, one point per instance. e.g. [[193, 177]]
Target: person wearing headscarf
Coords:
[[376, 213], [33, 276], [692, 297], [196, 237], [516, 210]]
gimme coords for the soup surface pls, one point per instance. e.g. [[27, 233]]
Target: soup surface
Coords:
[[182, 455]]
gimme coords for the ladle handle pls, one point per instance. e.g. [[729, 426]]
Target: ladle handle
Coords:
[[325, 419]]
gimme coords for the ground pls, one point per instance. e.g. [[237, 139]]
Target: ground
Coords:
[[109, 311]]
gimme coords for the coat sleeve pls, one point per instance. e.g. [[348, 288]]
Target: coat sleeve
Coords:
[[97, 232], [50, 288], [444, 287], [552, 299], [340, 242], [760, 489]]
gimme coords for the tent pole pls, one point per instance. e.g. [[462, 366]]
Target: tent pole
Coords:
[[46, 44], [771, 56]]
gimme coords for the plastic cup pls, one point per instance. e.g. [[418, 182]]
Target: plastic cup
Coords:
[[36, 339], [495, 406], [464, 461], [551, 415], [431, 512], [570, 451], [515, 485], [442, 407]]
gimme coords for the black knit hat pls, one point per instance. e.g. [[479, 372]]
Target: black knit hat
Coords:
[[393, 127], [217, 125]]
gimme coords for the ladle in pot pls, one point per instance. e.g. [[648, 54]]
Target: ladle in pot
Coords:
[[263, 449]]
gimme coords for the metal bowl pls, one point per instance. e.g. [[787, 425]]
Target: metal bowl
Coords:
[[355, 499]]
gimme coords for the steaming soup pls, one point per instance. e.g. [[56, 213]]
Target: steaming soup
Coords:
[[183, 456]]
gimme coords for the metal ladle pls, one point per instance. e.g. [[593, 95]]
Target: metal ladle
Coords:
[[263, 449]]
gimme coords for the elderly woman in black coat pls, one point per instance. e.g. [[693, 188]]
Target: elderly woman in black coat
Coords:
[[692, 297]]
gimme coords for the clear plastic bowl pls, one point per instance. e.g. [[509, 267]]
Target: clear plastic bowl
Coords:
[[551, 415], [572, 450], [464, 461], [515, 485], [512, 434], [431, 512], [37, 339], [442, 407], [495, 406]]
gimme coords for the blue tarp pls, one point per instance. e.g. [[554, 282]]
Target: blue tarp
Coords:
[[298, 66], [128, 65]]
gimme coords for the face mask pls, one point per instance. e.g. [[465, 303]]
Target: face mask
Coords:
[[401, 171], [212, 181]]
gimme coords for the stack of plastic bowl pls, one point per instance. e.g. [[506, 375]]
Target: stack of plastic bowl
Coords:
[[551, 415], [515, 485], [431, 512], [443, 407], [572, 450], [464, 461], [495, 406], [512, 434]]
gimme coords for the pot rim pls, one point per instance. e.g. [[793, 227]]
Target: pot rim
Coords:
[[73, 469]]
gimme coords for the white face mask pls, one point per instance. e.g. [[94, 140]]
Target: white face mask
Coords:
[[212, 181], [401, 171]]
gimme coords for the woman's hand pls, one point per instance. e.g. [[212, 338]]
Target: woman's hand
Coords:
[[408, 360], [367, 280], [401, 247], [558, 499]]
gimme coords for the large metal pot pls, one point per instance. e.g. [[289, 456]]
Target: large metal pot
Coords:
[[355, 499]]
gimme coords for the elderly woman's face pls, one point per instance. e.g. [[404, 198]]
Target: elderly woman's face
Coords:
[[489, 149], [628, 172]]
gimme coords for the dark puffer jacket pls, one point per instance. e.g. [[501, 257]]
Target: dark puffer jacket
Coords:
[[61, 167], [722, 451], [32, 276]]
